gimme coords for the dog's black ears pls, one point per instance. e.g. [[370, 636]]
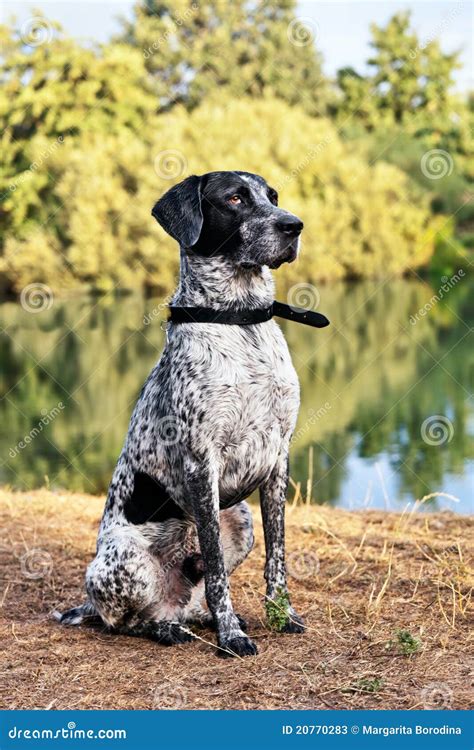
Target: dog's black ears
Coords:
[[179, 211]]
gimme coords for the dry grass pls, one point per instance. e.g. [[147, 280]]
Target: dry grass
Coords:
[[357, 577]]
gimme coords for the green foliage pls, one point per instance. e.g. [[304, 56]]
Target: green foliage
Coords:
[[193, 49], [407, 78], [407, 107], [357, 106], [91, 136], [451, 253], [434, 161], [405, 642], [405, 148], [70, 118], [277, 611], [90, 223]]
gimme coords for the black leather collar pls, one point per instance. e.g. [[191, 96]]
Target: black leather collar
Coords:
[[247, 317]]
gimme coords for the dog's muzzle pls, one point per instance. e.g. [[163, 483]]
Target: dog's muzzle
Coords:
[[290, 226]]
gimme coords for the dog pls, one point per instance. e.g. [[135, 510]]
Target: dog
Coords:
[[212, 424]]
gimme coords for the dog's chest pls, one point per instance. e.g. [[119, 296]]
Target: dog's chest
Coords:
[[255, 427], [256, 400], [256, 379]]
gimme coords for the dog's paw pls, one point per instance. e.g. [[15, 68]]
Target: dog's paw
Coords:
[[295, 624], [241, 645]]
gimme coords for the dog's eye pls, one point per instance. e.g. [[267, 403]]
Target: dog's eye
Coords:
[[234, 200]]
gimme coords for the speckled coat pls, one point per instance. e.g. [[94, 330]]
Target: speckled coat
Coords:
[[212, 424]]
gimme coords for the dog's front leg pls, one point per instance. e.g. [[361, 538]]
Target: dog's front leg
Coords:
[[202, 489], [280, 614]]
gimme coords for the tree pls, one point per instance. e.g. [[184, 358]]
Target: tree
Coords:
[[409, 78], [52, 92], [360, 220], [355, 99], [86, 156], [407, 106], [193, 49]]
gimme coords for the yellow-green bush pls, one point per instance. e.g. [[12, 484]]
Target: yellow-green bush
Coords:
[[92, 135], [360, 220]]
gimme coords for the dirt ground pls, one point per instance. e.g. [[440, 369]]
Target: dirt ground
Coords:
[[385, 596]]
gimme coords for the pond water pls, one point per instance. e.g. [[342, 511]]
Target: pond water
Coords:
[[386, 416]]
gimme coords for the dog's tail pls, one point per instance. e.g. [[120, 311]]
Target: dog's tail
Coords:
[[83, 615]]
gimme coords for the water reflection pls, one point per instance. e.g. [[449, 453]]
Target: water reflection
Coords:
[[71, 374]]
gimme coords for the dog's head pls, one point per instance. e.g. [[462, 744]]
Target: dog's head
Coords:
[[232, 214]]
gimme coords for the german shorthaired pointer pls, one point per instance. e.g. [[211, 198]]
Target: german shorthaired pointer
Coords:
[[212, 424]]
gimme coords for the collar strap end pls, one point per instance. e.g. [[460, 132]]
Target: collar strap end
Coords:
[[247, 317]]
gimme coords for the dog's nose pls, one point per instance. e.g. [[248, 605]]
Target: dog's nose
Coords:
[[290, 225]]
